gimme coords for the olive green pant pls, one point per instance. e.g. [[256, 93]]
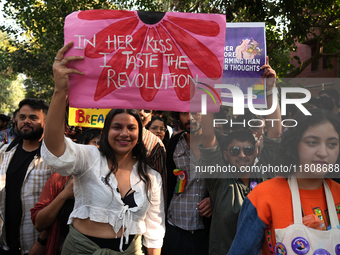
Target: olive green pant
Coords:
[[77, 243]]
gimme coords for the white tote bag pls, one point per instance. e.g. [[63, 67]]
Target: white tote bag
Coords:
[[299, 239]]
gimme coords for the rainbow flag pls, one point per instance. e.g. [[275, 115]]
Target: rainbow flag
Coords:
[[182, 175]]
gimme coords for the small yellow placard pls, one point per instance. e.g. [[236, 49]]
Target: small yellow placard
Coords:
[[87, 117]]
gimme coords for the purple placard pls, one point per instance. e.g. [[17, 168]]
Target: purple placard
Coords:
[[244, 54]]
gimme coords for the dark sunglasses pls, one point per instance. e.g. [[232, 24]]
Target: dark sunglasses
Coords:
[[247, 150]]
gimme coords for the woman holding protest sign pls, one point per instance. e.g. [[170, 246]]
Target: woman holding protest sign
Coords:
[[298, 214], [118, 198]]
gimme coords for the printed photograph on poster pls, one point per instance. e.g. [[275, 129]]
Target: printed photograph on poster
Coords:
[[143, 60], [244, 54]]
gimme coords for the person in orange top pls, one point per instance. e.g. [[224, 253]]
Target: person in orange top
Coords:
[[267, 213]]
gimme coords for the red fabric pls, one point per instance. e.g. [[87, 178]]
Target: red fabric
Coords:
[[52, 188]]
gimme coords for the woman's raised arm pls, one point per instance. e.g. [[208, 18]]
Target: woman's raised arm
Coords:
[[54, 129]]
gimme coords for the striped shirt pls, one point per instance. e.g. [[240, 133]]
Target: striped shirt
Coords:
[[36, 176], [156, 155]]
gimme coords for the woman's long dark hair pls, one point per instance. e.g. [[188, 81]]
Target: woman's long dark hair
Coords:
[[86, 136], [139, 151], [288, 149]]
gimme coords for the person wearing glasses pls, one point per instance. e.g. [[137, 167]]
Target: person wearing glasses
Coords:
[[161, 114], [228, 190], [157, 126]]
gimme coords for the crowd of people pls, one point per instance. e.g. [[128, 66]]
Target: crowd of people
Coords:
[[131, 187]]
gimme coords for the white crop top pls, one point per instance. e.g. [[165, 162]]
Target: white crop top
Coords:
[[97, 201]]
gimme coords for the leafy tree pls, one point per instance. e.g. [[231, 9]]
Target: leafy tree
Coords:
[[11, 90], [41, 25], [300, 21], [5, 50], [36, 89], [11, 93], [287, 22]]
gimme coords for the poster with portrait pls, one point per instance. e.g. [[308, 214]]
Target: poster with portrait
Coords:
[[143, 60], [244, 54]]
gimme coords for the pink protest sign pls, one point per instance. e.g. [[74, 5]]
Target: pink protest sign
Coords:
[[143, 60]]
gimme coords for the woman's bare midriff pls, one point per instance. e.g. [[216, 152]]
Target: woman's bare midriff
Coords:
[[95, 229]]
